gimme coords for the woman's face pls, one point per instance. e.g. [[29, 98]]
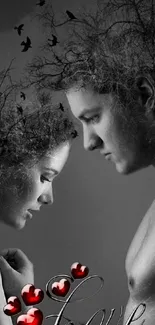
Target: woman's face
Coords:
[[30, 189]]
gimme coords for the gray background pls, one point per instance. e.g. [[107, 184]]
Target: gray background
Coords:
[[95, 212]]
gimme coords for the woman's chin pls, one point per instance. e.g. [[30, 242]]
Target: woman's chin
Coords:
[[19, 223], [15, 222]]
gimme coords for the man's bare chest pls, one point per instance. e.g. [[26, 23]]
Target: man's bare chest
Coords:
[[140, 260]]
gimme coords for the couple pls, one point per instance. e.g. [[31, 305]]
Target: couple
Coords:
[[123, 134]]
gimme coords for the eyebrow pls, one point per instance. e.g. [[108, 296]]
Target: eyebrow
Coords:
[[88, 111], [52, 170]]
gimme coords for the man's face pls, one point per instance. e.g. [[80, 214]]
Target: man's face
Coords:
[[105, 129], [31, 188]]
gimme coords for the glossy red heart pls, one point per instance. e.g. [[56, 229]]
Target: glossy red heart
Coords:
[[61, 288], [33, 317], [13, 306], [31, 295], [79, 271]]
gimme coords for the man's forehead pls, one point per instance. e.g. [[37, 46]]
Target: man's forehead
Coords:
[[82, 93], [82, 101], [85, 101]]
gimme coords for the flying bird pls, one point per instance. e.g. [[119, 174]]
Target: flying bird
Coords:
[[22, 95], [54, 41], [41, 3], [61, 107], [26, 44], [20, 109], [70, 15], [19, 28]]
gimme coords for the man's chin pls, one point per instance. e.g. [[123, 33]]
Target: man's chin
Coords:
[[127, 169], [124, 169]]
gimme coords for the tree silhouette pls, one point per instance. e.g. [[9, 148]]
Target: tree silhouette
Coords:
[[107, 48], [8, 87]]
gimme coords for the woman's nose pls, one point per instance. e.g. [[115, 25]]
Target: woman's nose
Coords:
[[47, 198]]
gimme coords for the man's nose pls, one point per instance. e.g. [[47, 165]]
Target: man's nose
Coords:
[[47, 197], [91, 140]]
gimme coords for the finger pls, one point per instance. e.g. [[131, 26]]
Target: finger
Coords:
[[7, 255], [17, 256], [10, 260], [4, 265]]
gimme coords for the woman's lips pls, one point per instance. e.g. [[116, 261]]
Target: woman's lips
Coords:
[[29, 214]]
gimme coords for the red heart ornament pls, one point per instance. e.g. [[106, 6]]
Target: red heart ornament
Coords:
[[33, 317], [61, 288], [13, 306], [79, 271], [31, 295]]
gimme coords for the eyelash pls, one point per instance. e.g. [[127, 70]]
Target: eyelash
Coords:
[[93, 119], [43, 178]]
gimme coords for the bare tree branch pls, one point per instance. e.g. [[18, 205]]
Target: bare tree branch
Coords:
[[116, 35]]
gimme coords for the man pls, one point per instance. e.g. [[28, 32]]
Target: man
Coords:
[[105, 129], [110, 87]]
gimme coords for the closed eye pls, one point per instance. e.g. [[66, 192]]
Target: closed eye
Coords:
[[94, 119], [44, 179]]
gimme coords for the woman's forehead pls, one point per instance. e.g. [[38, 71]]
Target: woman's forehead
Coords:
[[56, 158]]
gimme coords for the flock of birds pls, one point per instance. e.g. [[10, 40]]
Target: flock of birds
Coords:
[[27, 45], [51, 42]]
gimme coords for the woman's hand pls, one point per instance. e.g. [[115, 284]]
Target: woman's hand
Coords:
[[16, 271], [4, 319]]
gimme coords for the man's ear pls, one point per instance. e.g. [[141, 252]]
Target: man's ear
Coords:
[[146, 93]]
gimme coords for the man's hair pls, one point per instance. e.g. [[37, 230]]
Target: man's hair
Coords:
[[110, 49]]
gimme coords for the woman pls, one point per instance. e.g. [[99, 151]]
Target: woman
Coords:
[[34, 148]]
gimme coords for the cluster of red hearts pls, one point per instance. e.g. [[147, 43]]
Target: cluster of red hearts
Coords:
[[32, 296]]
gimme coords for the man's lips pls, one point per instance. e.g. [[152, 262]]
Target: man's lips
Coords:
[[102, 152], [107, 156]]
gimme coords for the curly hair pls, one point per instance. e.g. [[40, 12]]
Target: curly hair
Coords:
[[26, 135]]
